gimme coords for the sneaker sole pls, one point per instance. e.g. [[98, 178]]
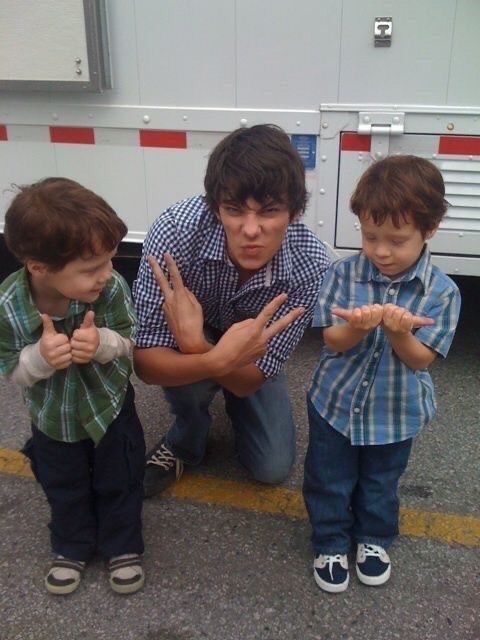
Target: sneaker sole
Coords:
[[328, 586], [374, 581], [128, 588], [62, 591]]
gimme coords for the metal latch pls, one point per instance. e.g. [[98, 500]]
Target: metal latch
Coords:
[[382, 32], [380, 125]]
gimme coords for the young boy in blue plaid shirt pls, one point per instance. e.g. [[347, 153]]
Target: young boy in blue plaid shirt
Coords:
[[66, 323], [386, 314]]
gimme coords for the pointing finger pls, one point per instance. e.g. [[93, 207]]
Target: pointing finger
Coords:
[[283, 322], [270, 309], [159, 276], [175, 277], [345, 314], [419, 321]]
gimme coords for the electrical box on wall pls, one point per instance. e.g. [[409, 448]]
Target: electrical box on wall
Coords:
[[54, 46]]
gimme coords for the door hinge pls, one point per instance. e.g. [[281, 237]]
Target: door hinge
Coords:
[[380, 125]]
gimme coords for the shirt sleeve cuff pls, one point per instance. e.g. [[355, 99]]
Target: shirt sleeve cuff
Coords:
[[31, 367], [112, 345]]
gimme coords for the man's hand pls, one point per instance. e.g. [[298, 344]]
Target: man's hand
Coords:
[[183, 312], [400, 321], [365, 317], [247, 341], [54, 347], [85, 340]]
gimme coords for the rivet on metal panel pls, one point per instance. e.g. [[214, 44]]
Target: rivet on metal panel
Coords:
[[460, 235], [78, 60], [243, 122], [184, 118], [320, 223], [450, 126], [323, 158], [366, 118], [90, 115], [54, 116], [324, 125], [298, 123], [322, 192], [378, 154], [146, 119], [357, 226], [78, 72], [360, 157]]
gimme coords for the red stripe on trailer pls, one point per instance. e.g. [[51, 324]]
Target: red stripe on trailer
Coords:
[[72, 135], [459, 145], [168, 139], [355, 142], [3, 132]]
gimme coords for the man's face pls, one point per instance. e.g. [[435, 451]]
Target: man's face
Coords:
[[393, 250], [254, 232]]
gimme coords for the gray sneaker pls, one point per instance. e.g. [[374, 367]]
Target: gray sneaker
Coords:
[[162, 469]]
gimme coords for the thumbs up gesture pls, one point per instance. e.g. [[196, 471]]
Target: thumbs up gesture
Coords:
[[54, 347], [85, 340]]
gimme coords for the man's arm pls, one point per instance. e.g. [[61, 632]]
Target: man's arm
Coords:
[[229, 361]]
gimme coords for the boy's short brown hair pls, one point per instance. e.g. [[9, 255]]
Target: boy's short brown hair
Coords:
[[257, 162], [56, 220], [400, 186]]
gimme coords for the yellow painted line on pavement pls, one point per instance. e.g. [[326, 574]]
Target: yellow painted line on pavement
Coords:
[[451, 528]]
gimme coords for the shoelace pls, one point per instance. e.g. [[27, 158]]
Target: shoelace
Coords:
[[373, 551], [164, 458], [331, 561]]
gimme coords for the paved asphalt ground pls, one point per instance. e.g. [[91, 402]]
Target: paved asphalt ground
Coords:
[[230, 560]]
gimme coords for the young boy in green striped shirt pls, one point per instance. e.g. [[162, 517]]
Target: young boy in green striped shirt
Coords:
[[66, 327]]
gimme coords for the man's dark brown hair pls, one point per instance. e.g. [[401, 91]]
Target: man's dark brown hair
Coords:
[[258, 162], [401, 186], [56, 220]]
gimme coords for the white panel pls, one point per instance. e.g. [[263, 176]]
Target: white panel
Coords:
[[463, 86], [414, 69], [41, 40], [288, 53], [115, 172], [123, 55], [172, 175], [186, 52], [14, 168]]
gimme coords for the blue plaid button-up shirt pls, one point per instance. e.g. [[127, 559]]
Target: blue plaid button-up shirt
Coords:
[[367, 393], [192, 234]]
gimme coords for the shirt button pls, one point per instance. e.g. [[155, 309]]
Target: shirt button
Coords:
[[365, 383], [376, 354], [356, 410], [391, 291]]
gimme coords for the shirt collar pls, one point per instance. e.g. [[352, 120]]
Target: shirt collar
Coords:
[[421, 270]]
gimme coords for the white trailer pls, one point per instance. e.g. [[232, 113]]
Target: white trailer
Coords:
[[132, 111]]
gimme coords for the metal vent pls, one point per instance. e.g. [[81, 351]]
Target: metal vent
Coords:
[[462, 190]]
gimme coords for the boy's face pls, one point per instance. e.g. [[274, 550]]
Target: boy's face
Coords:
[[254, 232], [393, 250], [81, 279]]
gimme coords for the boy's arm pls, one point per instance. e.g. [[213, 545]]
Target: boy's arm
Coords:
[[398, 324], [359, 322], [31, 367]]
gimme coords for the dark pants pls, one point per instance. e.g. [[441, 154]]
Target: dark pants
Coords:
[[95, 493], [351, 491]]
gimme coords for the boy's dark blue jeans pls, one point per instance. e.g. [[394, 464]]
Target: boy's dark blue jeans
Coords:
[[95, 493], [351, 491]]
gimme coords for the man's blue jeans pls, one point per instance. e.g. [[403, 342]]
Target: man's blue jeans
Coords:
[[351, 491], [262, 422]]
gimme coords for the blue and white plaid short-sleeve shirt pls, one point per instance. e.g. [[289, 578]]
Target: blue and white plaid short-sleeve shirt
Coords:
[[367, 393], [193, 235]]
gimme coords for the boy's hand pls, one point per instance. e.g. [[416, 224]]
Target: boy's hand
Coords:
[[365, 317], [85, 340], [54, 347], [183, 312], [400, 321]]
